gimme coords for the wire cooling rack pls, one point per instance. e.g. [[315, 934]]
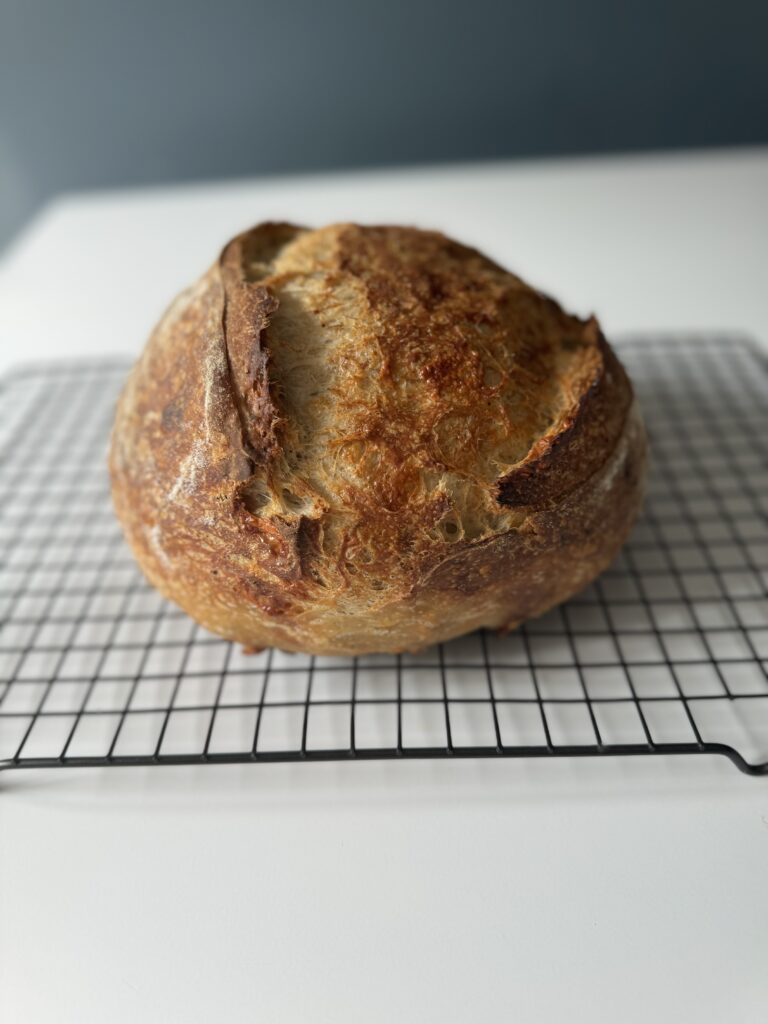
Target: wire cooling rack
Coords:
[[667, 653]]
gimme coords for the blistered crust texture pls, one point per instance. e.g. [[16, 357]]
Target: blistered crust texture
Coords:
[[364, 439]]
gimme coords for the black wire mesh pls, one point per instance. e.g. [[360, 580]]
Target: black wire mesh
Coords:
[[666, 653]]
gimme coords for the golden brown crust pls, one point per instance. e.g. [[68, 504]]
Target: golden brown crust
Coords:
[[358, 439]]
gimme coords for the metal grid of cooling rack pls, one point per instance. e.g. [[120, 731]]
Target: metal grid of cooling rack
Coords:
[[666, 653]]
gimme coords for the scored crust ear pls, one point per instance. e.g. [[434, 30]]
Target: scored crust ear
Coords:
[[248, 308], [571, 450]]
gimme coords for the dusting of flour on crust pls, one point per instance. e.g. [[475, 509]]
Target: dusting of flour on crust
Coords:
[[189, 471], [198, 458], [154, 538]]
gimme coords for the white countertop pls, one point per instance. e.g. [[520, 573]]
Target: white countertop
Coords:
[[611, 890]]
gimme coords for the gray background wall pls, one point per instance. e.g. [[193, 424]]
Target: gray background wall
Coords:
[[123, 92]]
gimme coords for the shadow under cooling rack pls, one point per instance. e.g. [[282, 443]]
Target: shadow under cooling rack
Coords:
[[667, 653]]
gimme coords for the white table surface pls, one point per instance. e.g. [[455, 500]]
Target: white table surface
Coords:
[[613, 890]]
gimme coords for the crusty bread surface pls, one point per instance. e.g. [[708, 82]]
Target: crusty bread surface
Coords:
[[359, 439]]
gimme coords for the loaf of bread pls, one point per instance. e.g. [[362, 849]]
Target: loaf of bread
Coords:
[[370, 439]]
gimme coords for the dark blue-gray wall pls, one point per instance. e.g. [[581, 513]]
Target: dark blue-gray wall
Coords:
[[122, 92]]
